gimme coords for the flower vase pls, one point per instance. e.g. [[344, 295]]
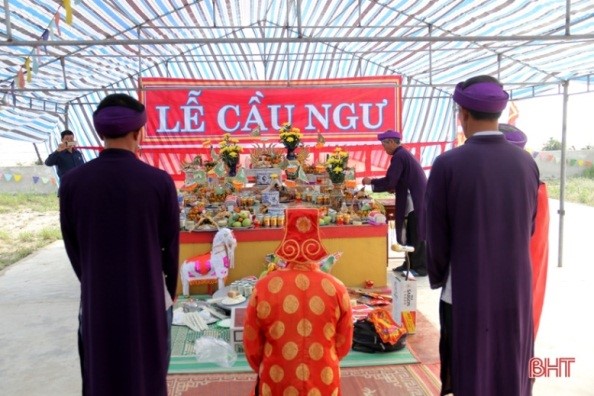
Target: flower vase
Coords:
[[232, 169], [291, 153], [292, 171], [336, 196]]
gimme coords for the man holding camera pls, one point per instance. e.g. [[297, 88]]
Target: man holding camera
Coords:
[[66, 156]]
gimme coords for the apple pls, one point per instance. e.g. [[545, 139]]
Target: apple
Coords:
[[322, 222], [236, 224], [246, 223]]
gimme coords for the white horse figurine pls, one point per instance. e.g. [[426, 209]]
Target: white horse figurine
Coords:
[[213, 267]]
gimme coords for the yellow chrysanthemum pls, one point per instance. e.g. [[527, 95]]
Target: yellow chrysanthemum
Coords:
[[229, 149]]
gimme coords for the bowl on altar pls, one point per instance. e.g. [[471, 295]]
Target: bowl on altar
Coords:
[[264, 175], [270, 198], [276, 210]]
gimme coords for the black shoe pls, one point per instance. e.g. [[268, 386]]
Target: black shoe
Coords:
[[419, 272], [400, 268]]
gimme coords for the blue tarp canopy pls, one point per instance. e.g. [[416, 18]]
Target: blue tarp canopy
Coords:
[[532, 47], [535, 48]]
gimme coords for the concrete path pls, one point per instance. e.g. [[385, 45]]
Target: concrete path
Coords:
[[39, 304], [566, 329], [39, 299]]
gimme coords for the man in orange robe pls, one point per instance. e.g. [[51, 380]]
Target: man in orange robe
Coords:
[[539, 242], [298, 322]]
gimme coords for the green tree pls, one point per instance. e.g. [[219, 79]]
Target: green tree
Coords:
[[552, 145]]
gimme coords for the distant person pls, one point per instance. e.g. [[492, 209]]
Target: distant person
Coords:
[[298, 322], [120, 223], [539, 243], [66, 156], [481, 204], [406, 178]]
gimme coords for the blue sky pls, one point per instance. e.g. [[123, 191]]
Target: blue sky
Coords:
[[542, 118]]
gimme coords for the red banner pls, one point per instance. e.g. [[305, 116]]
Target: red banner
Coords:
[[183, 112]]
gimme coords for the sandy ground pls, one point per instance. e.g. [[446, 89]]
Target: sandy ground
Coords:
[[28, 221], [25, 221]]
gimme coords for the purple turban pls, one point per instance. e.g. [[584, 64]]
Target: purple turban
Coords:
[[486, 97], [513, 135], [389, 134], [116, 121]]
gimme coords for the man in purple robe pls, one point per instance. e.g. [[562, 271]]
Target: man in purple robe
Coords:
[[481, 203], [406, 178], [120, 224]]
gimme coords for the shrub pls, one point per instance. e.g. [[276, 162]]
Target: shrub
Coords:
[[589, 173], [552, 145]]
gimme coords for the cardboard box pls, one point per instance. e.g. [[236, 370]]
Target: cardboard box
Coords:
[[236, 330], [404, 300]]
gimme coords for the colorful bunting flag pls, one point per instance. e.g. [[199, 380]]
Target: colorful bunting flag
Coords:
[[45, 36], [8, 176], [14, 100], [28, 69], [57, 21], [68, 8], [44, 180], [20, 79], [17, 178], [35, 179]]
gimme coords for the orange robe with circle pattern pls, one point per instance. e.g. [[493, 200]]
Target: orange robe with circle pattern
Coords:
[[298, 326], [539, 254]]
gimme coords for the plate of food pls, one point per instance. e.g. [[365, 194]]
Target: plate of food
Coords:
[[233, 300]]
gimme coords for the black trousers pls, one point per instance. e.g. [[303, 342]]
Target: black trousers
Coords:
[[418, 258], [445, 346]]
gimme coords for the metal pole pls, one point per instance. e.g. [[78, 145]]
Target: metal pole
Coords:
[[454, 124], [63, 63], [563, 175], [567, 17], [39, 160], [569, 40], [430, 31], [514, 85], [7, 20]]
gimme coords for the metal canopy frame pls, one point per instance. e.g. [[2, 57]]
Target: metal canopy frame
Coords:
[[534, 48]]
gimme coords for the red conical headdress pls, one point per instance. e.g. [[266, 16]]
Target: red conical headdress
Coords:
[[301, 243]]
